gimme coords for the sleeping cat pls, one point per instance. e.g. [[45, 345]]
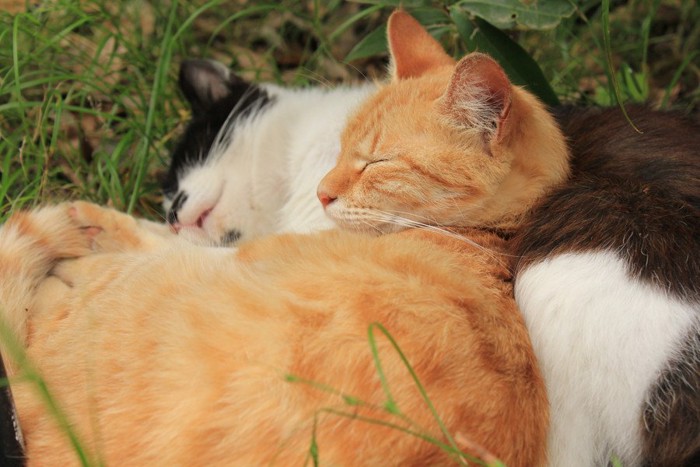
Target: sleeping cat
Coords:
[[163, 352], [622, 384], [250, 159], [609, 283]]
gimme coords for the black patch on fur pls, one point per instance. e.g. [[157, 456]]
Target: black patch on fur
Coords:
[[231, 237], [210, 110], [11, 442], [179, 200], [674, 408], [639, 196]]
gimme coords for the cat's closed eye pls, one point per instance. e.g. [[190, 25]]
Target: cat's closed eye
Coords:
[[367, 164]]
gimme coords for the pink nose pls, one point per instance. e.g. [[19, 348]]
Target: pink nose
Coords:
[[325, 198]]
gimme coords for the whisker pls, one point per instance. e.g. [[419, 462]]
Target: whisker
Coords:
[[372, 226], [431, 220], [365, 215]]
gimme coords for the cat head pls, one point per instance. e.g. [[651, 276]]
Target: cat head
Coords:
[[202, 191], [444, 143]]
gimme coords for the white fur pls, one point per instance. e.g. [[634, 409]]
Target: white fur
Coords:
[[264, 181], [602, 339]]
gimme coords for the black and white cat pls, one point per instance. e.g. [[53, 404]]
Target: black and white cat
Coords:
[[250, 159], [608, 270]]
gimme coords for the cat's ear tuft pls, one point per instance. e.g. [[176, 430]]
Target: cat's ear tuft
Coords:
[[413, 50], [479, 95], [205, 82]]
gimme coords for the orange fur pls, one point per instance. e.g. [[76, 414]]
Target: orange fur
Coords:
[[162, 352], [178, 354]]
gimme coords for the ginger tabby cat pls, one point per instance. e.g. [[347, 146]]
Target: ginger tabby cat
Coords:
[[162, 352]]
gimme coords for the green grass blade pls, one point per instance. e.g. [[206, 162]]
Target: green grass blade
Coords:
[[352, 20], [391, 404], [30, 374], [609, 63], [690, 58], [142, 154]]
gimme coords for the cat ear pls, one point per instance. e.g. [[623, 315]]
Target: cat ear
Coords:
[[413, 50], [205, 82], [479, 96]]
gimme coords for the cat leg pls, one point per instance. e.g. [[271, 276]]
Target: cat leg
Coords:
[[121, 232], [30, 244], [117, 231]]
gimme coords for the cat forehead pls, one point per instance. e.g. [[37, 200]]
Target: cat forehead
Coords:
[[394, 100], [409, 106]]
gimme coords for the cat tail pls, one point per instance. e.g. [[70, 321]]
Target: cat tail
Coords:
[[30, 244]]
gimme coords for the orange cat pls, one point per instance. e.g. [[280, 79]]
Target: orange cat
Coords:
[[161, 352]]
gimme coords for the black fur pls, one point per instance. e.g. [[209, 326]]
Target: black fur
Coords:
[[231, 237], [674, 408], [11, 442], [214, 94], [179, 200]]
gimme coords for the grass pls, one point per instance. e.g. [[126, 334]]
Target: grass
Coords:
[[398, 420], [89, 106], [29, 374]]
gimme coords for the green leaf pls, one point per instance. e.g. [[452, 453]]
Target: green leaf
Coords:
[[465, 27], [373, 44], [516, 62], [510, 14], [407, 4], [636, 84], [430, 16]]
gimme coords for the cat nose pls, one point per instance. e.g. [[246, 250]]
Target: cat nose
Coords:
[[325, 198]]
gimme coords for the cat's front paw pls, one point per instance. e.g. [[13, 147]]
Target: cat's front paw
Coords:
[[48, 232], [112, 231]]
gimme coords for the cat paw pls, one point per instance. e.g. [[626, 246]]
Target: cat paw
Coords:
[[47, 232], [112, 231]]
